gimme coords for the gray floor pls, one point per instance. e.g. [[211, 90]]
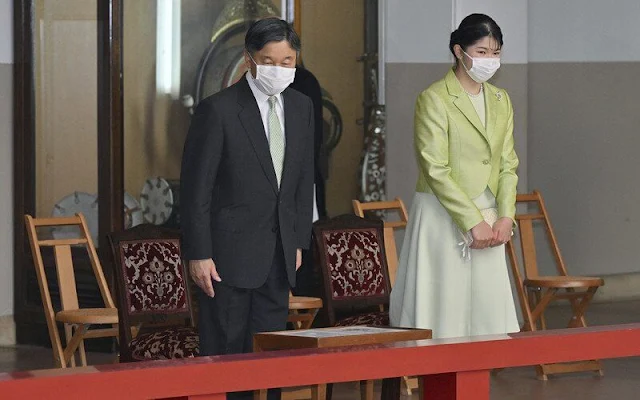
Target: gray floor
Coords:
[[621, 380]]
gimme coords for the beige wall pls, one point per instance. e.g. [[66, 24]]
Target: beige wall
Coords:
[[154, 124], [332, 40], [66, 100]]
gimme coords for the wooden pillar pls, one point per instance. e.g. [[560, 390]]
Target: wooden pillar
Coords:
[[110, 121], [24, 171]]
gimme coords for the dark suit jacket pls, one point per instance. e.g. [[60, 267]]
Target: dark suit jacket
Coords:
[[231, 208], [306, 83]]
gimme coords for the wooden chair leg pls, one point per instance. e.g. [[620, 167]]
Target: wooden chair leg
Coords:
[[538, 311], [83, 354], [68, 333], [540, 373], [58, 353], [409, 383], [319, 392], [532, 306], [73, 344], [579, 308], [366, 390], [296, 324], [543, 321]]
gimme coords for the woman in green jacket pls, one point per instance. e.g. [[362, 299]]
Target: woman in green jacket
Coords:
[[452, 274]]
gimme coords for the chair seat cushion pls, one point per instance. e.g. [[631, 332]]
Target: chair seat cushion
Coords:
[[166, 344], [371, 319]]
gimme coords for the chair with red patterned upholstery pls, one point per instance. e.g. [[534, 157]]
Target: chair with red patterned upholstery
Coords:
[[152, 288], [351, 255]]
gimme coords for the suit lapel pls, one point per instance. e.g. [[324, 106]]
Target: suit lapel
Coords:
[[466, 107], [463, 103], [490, 98], [292, 125], [252, 124]]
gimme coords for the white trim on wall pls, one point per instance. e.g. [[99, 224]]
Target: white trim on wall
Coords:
[[6, 32]]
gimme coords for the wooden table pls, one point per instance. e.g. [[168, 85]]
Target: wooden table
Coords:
[[336, 337]]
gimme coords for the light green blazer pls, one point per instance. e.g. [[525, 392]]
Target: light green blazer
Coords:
[[457, 157]]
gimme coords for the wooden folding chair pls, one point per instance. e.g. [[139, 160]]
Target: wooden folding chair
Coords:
[[536, 292], [359, 208], [303, 310], [76, 320]]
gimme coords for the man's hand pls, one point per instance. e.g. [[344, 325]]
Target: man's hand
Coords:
[[298, 258], [202, 271], [502, 231]]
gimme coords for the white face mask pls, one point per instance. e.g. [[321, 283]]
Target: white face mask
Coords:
[[273, 80], [482, 68]]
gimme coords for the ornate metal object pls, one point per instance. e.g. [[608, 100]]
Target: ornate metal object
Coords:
[[373, 171], [225, 62], [241, 12]]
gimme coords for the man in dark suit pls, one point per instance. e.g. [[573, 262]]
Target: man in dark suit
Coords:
[[246, 193], [308, 280], [306, 83]]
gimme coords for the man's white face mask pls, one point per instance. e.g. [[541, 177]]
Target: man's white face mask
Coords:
[[273, 80]]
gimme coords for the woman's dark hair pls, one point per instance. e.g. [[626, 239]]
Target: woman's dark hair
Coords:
[[473, 28], [269, 30]]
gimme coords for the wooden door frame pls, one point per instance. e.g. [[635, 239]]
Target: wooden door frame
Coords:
[[110, 149], [24, 172]]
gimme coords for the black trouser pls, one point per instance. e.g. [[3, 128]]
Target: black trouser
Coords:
[[228, 321]]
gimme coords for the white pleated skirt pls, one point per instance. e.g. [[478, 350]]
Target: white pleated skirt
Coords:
[[437, 288]]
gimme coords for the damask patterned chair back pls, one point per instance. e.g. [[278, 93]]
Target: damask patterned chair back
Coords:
[[152, 287], [350, 253]]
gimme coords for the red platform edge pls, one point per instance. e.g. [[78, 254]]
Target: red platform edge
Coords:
[[211, 377]]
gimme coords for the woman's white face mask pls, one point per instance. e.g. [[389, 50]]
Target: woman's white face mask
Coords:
[[482, 68], [273, 80]]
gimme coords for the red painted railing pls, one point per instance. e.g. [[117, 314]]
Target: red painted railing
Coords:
[[453, 368]]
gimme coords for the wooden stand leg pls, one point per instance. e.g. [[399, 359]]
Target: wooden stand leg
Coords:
[[470, 385], [366, 390], [319, 392], [68, 331]]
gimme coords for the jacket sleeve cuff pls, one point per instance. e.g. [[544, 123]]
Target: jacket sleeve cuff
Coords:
[[468, 223]]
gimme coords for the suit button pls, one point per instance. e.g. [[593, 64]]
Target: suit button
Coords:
[[486, 162], [274, 229]]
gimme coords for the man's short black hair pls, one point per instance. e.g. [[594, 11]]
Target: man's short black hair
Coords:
[[269, 30]]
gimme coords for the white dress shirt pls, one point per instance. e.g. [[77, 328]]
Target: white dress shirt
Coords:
[[263, 104]]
